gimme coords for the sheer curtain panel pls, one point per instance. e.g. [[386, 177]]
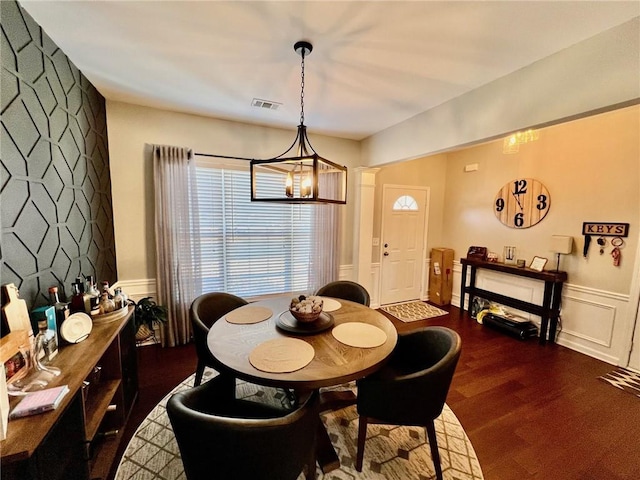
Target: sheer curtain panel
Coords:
[[178, 275]]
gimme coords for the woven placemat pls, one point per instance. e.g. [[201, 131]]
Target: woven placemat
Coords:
[[281, 355], [330, 304], [249, 314], [358, 334], [413, 311]]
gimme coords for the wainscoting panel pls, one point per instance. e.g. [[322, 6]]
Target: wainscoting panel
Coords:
[[593, 322], [588, 320], [137, 289]]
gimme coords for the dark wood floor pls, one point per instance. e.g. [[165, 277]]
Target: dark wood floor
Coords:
[[530, 411]]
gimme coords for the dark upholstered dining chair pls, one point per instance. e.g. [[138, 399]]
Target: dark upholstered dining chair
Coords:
[[220, 437], [411, 389], [346, 290], [204, 311]]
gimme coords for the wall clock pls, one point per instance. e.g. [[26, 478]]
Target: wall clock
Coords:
[[522, 203]]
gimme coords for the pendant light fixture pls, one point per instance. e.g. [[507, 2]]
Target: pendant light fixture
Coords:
[[299, 175]]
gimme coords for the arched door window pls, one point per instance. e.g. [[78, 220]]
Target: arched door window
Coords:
[[405, 202]]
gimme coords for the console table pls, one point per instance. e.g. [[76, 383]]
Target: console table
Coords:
[[78, 440], [549, 311]]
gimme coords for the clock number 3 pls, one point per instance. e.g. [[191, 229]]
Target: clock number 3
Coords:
[[542, 202]]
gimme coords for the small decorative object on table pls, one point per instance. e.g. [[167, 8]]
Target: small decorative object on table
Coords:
[[306, 309], [510, 255], [538, 263]]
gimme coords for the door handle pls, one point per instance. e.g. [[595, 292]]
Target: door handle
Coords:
[[386, 254]]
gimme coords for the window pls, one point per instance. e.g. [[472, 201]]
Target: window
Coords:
[[405, 202], [250, 248]]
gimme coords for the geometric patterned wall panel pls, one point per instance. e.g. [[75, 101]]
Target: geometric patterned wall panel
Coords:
[[56, 220]]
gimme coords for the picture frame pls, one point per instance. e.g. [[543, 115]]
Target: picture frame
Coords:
[[538, 263]]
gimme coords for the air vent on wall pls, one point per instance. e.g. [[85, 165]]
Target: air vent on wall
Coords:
[[257, 102]]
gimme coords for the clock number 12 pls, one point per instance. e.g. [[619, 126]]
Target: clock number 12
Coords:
[[520, 187]]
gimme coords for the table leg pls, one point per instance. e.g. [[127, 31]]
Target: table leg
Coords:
[[555, 309], [472, 288], [546, 312], [462, 289], [325, 453]]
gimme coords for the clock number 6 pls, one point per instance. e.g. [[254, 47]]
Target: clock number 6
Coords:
[[500, 204], [518, 220], [542, 202]]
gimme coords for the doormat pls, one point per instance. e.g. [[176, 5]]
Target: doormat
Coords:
[[625, 380], [413, 311]]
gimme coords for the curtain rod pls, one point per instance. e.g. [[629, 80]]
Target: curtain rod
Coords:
[[224, 156]]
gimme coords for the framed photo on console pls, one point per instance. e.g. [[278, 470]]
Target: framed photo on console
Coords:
[[538, 263]]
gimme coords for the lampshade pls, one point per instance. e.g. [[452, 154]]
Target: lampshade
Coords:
[[561, 244], [299, 175]]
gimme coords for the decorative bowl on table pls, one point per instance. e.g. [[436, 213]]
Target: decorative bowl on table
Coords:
[[306, 309]]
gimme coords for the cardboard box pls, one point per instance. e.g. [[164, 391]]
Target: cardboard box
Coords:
[[441, 276]]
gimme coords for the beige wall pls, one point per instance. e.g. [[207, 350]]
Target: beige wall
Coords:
[[591, 168], [131, 128], [426, 172]]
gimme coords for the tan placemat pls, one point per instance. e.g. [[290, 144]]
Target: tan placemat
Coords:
[[249, 314], [330, 304], [358, 334], [281, 355]]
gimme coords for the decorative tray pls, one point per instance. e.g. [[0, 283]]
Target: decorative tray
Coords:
[[111, 316], [287, 322]]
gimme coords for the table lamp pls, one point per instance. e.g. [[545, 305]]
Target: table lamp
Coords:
[[561, 245]]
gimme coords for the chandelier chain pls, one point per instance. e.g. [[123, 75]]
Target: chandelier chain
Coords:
[[302, 90]]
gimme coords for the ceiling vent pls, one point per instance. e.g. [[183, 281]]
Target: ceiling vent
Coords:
[[269, 105]]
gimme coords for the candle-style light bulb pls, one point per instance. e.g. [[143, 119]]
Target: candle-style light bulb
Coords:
[[289, 185], [305, 187]]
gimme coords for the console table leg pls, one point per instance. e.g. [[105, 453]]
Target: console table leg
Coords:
[[462, 288], [546, 312]]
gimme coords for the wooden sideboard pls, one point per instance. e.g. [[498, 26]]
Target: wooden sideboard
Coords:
[[549, 311], [79, 439]]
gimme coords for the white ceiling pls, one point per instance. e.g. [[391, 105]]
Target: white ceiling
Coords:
[[374, 64]]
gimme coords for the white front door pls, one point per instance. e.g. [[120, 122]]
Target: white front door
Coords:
[[404, 219]]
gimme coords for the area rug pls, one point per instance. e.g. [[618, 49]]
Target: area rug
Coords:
[[400, 453], [624, 379], [413, 311]]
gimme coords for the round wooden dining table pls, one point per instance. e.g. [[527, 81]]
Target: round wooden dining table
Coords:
[[333, 362]]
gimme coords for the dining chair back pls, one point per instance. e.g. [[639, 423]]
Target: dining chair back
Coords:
[[219, 437], [204, 311], [346, 290], [411, 389]]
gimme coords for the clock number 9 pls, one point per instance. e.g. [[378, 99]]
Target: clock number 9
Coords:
[[500, 204], [542, 202], [518, 220]]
